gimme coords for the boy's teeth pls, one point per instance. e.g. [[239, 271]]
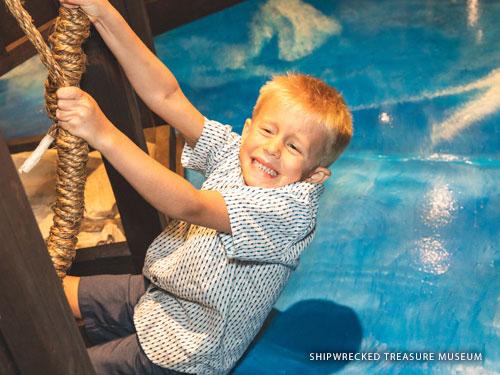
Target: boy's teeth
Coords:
[[266, 169]]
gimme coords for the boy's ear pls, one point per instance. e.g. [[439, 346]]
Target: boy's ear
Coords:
[[246, 127], [319, 175]]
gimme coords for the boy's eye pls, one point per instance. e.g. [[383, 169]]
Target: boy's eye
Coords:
[[267, 130], [293, 147]]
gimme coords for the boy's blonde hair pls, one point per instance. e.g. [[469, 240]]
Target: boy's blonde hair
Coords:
[[318, 103]]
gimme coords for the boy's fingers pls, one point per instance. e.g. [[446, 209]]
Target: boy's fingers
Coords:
[[64, 115], [66, 126], [64, 104], [70, 93], [66, 4], [63, 124], [71, 3]]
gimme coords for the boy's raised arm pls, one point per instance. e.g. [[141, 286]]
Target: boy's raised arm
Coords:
[[166, 191], [163, 189], [151, 79]]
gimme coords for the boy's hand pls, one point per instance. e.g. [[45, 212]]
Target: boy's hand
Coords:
[[94, 9], [78, 113]]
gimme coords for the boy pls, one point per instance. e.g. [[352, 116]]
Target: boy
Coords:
[[212, 276]]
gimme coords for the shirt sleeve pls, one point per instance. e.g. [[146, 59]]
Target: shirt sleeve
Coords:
[[266, 225], [215, 141]]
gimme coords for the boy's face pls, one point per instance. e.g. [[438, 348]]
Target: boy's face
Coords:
[[279, 148]]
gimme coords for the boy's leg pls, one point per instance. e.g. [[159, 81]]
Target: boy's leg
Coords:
[[106, 304], [70, 284], [123, 356]]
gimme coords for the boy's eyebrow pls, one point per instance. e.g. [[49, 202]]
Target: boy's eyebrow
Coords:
[[301, 139], [296, 137], [270, 122]]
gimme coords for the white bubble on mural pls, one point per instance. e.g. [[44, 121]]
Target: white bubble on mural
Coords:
[[299, 27]]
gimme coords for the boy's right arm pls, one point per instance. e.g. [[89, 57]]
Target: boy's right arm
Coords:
[[151, 79], [165, 190]]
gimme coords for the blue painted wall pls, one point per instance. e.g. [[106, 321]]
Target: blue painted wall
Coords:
[[406, 257]]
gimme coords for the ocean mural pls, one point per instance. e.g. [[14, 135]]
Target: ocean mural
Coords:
[[406, 257]]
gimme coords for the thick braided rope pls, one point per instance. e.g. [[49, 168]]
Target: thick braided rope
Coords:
[[66, 64], [71, 29]]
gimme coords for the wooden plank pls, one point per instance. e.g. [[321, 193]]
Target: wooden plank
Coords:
[[111, 250], [138, 19], [44, 29], [168, 146], [111, 259], [16, 47], [38, 331], [163, 16], [41, 12], [7, 365], [20, 50], [21, 144], [3, 50], [136, 15], [107, 83]]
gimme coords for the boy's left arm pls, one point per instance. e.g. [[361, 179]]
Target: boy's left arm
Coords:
[[163, 189]]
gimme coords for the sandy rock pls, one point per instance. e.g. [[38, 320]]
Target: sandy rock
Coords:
[[101, 223]]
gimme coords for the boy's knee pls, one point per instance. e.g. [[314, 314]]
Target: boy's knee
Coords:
[[70, 284], [122, 356]]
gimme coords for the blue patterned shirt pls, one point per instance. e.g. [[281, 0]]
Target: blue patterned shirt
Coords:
[[212, 291]]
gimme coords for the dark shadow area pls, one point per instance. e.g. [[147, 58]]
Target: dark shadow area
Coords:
[[287, 338], [113, 259]]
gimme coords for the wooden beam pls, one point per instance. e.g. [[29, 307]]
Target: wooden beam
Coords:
[[108, 259], [21, 144], [20, 50], [7, 364], [15, 46], [163, 15], [38, 334], [44, 30], [106, 82]]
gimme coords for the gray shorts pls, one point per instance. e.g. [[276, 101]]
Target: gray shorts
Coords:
[[107, 306]]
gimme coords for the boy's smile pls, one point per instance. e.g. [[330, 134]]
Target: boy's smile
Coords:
[[279, 148]]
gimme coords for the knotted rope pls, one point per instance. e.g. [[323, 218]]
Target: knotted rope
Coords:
[[65, 62]]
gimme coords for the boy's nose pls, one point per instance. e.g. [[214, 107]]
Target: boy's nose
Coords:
[[273, 148]]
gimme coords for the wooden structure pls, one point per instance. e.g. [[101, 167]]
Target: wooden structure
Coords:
[[38, 335]]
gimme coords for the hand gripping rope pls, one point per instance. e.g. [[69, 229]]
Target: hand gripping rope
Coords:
[[65, 62]]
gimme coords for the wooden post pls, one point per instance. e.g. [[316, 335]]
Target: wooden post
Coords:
[[106, 82], [38, 334]]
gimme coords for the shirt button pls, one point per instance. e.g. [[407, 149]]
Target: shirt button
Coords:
[[155, 279]]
